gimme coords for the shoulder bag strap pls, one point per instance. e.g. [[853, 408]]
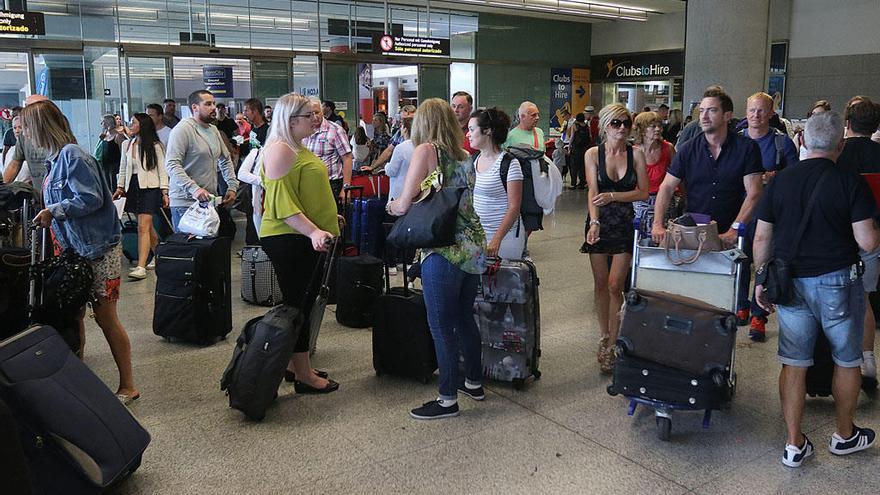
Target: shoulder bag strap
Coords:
[[807, 212], [535, 134]]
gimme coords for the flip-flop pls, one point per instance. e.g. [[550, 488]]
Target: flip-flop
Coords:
[[127, 399]]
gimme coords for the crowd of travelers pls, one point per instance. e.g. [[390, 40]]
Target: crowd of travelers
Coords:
[[752, 176]]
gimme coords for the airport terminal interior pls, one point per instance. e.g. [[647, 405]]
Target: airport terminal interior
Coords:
[[561, 432]]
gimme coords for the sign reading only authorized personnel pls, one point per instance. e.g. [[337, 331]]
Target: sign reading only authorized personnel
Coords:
[[388, 44], [15, 22]]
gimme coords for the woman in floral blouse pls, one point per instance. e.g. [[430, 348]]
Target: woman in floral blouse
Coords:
[[450, 275]]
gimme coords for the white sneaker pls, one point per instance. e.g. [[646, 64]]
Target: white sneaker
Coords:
[[139, 273], [861, 439], [152, 264], [794, 456]]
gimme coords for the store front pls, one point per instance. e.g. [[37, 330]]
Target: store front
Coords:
[[639, 80]]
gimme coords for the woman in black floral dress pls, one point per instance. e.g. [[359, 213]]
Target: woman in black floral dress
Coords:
[[616, 176]]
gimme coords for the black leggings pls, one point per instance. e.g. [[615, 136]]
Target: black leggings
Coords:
[[296, 264]]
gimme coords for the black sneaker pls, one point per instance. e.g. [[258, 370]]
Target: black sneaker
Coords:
[[433, 410], [473, 393], [793, 456], [861, 439]]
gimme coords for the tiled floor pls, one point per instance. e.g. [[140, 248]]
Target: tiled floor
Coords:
[[562, 434]]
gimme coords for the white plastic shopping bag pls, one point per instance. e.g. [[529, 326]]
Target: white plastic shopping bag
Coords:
[[200, 220]]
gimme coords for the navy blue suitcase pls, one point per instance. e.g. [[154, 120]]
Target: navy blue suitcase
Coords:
[[370, 217], [77, 436]]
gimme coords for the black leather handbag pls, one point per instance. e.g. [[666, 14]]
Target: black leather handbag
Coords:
[[67, 282], [430, 222]]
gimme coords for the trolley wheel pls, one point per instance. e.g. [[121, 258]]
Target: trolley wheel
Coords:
[[633, 298], [537, 375], [664, 428], [620, 349], [611, 390], [519, 383]]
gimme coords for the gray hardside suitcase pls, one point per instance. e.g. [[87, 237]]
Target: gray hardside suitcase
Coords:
[[508, 313], [258, 282]]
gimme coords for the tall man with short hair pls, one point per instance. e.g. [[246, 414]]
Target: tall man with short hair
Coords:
[[463, 105], [169, 113], [195, 151], [330, 143], [777, 152], [826, 287], [154, 110], [721, 169], [527, 133], [253, 110]]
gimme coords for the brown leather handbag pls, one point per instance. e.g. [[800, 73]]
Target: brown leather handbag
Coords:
[[699, 238]]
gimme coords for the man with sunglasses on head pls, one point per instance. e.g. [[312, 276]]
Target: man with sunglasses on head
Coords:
[[721, 171]]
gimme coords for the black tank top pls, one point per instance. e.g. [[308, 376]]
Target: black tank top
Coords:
[[628, 182]]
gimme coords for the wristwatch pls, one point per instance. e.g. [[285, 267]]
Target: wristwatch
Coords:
[[594, 222]]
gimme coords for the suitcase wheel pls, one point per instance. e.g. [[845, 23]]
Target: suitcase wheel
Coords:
[[621, 348], [519, 383], [633, 298], [718, 378], [664, 428], [730, 323], [537, 375], [611, 391]]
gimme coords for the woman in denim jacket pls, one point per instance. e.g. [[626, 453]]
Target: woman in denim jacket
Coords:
[[83, 218]]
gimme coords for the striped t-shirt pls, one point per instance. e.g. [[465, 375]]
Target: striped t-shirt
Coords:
[[490, 197]]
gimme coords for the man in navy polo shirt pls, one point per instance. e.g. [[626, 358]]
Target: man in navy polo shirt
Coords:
[[777, 152], [721, 171]]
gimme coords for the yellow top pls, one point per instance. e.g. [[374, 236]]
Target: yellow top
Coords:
[[304, 189]]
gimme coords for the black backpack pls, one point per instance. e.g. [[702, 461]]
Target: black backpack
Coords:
[[581, 137]]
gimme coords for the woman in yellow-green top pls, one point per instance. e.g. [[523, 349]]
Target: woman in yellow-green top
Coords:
[[299, 221]]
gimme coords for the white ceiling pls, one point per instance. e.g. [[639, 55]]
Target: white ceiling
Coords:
[[579, 10]]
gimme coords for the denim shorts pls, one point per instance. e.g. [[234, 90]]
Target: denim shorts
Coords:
[[833, 303]]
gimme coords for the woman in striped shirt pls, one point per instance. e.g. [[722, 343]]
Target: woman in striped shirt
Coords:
[[498, 188]]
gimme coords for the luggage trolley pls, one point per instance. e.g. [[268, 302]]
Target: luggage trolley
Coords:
[[713, 278]]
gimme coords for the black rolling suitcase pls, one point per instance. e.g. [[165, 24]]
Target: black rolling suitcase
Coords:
[[193, 299], [508, 314], [820, 375], [634, 377], [358, 285], [402, 342], [261, 354], [77, 436], [677, 331]]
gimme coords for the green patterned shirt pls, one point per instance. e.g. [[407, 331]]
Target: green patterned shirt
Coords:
[[469, 251]]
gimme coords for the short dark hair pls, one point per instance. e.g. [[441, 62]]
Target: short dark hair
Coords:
[[196, 96], [16, 110], [221, 105], [268, 106], [495, 120], [581, 117], [662, 106], [331, 105], [468, 97], [169, 100], [863, 117], [724, 98], [255, 105], [155, 107]]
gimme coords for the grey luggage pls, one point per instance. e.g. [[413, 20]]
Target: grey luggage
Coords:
[[258, 282], [77, 436], [261, 354], [508, 313]]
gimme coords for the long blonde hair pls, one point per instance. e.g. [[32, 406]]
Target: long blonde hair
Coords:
[[45, 126], [435, 122], [285, 108]]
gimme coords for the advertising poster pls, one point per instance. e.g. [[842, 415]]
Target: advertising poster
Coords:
[[365, 94], [580, 86], [776, 89], [560, 99]]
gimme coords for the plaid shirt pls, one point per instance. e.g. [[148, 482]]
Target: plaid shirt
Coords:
[[330, 143]]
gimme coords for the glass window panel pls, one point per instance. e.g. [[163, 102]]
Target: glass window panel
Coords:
[[462, 77], [62, 19], [14, 85], [189, 77], [148, 79], [271, 79], [306, 71], [146, 21]]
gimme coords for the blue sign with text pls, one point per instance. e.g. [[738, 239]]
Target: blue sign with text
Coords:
[[560, 98], [218, 80]]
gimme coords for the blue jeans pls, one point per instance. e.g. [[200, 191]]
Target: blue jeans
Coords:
[[176, 213], [449, 297], [833, 303]]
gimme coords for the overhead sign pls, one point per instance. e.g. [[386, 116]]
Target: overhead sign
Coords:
[[637, 67], [388, 44], [16, 22], [218, 80], [6, 113], [580, 83]]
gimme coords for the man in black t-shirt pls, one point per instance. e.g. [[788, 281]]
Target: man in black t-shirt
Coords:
[[826, 280], [226, 125], [860, 155]]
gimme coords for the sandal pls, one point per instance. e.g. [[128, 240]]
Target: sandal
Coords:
[[603, 349], [607, 364], [127, 399]]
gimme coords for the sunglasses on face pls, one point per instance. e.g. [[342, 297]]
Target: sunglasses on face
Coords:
[[616, 123]]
